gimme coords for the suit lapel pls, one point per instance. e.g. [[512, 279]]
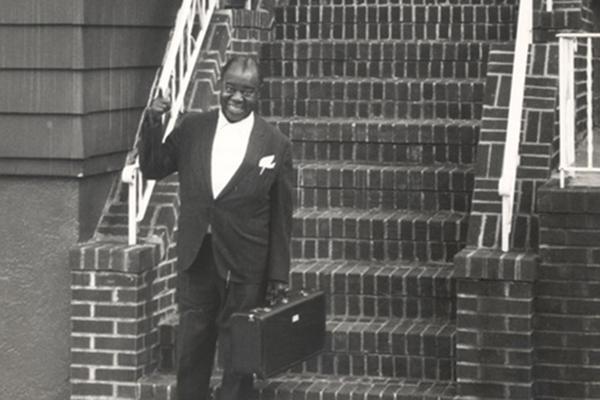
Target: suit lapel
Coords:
[[253, 151], [204, 151]]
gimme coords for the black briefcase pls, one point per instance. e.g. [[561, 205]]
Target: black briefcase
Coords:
[[266, 341]]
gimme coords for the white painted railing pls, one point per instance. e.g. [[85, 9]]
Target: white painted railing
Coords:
[[568, 45], [506, 185], [172, 81]]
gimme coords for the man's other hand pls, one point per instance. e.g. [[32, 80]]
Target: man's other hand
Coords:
[[157, 108], [275, 292]]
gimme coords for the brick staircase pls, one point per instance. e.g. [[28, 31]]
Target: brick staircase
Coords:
[[382, 100]]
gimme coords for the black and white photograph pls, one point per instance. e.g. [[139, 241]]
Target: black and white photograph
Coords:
[[300, 199]]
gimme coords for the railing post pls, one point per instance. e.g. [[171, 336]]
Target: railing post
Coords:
[[590, 105], [568, 45], [132, 212], [566, 105], [130, 176], [510, 163]]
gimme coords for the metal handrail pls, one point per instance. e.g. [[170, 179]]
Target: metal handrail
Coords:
[[172, 81], [568, 43], [506, 185]]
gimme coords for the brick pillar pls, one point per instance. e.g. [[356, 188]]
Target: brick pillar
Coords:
[[567, 326], [494, 323], [114, 312]]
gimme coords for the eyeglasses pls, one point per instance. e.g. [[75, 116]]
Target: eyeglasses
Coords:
[[244, 90]]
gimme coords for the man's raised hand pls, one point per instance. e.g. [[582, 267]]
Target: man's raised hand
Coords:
[[157, 108]]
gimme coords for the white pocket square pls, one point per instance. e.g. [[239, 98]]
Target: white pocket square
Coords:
[[267, 162]]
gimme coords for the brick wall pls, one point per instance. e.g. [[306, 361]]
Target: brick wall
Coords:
[[497, 325], [568, 15], [539, 143], [484, 221], [572, 16], [496, 291]]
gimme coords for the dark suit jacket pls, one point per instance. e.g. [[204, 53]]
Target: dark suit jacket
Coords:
[[252, 216]]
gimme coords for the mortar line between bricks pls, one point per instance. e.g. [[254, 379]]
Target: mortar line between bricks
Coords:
[[108, 303], [561, 348], [107, 319], [562, 263], [503, 298], [503, 383], [93, 335], [488, 364], [590, 366], [496, 332], [562, 297], [489, 314]]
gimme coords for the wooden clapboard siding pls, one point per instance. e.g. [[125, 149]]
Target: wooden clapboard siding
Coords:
[[89, 12], [75, 75], [74, 92], [83, 47], [53, 132]]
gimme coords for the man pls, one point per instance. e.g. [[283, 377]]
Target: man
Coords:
[[235, 174]]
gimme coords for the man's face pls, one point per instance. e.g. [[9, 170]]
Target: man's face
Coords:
[[239, 92]]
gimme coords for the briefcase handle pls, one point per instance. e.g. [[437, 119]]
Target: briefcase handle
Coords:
[[284, 297], [279, 301]]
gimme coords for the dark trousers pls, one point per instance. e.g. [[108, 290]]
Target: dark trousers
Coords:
[[206, 302]]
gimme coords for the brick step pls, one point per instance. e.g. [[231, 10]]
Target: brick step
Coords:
[[348, 184], [393, 13], [157, 201], [398, 31], [382, 199], [347, 233], [375, 50], [402, 348], [161, 212], [160, 220], [376, 289], [366, 68], [403, 2], [377, 110], [377, 186], [313, 386], [388, 298], [375, 58], [359, 346], [165, 191], [355, 89], [385, 141]]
